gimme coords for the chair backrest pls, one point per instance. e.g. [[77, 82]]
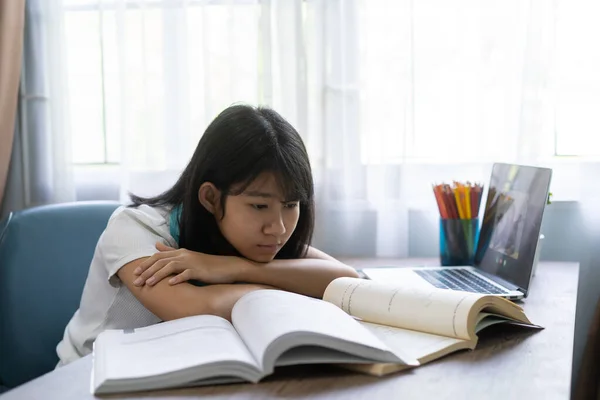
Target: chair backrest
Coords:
[[45, 253], [585, 375]]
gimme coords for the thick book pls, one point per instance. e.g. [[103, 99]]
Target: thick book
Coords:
[[421, 322], [268, 329], [372, 327]]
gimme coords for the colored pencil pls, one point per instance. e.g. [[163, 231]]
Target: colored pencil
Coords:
[[458, 200]]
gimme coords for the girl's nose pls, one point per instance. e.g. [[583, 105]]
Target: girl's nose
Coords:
[[276, 227]]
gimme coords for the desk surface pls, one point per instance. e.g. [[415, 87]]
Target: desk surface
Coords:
[[508, 363]]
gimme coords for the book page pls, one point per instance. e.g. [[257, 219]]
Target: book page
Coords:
[[486, 319], [168, 347], [419, 345], [430, 310], [273, 321]]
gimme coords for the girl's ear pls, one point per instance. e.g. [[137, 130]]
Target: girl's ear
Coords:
[[209, 197]]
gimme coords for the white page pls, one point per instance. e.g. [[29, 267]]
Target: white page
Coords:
[[414, 344], [171, 346], [263, 316], [431, 310]]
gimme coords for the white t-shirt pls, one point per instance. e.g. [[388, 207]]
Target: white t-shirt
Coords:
[[107, 303]]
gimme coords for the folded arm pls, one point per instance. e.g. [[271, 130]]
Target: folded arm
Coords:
[[170, 302], [309, 276]]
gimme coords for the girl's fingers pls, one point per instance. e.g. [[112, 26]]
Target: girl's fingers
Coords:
[[171, 268], [151, 271], [186, 275], [147, 263], [163, 247], [153, 259]]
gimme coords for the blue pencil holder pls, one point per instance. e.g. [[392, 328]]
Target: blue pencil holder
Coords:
[[458, 241]]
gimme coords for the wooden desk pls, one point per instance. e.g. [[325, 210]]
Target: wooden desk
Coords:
[[509, 363]]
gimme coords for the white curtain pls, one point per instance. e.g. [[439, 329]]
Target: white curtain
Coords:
[[389, 95]]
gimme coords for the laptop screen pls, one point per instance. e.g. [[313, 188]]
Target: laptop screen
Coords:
[[510, 229]]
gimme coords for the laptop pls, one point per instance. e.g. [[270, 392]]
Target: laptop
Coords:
[[507, 248]]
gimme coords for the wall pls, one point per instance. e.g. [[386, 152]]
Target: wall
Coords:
[[561, 227]]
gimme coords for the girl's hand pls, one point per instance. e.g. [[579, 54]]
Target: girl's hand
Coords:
[[186, 265]]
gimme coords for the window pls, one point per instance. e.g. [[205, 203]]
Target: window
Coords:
[[85, 80], [577, 79], [427, 81], [443, 81], [132, 68]]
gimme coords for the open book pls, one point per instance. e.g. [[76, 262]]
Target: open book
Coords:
[[421, 323], [364, 325], [269, 328]]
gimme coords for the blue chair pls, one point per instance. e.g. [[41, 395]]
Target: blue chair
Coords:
[[45, 253]]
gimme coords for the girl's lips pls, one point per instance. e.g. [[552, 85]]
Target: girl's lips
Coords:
[[269, 247]]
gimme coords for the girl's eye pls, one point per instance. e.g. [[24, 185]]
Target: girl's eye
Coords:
[[259, 206], [291, 205]]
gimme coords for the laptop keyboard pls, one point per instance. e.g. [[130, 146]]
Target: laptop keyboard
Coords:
[[458, 279]]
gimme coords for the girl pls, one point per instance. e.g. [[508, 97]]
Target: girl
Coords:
[[240, 218]]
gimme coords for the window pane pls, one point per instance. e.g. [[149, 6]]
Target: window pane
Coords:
[[440, 79], [222, 56], [112, 103], [143, 106], [79, 4], [138, 71], [578, 79], [468, 57], [85, 86]]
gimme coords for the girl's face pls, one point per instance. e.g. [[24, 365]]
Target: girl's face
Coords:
[[259, 221]]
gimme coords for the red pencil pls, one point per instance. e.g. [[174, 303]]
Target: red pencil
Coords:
[[440, 201], [451, 202], [473, 202]]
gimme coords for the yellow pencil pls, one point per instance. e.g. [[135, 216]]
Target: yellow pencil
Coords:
[[458, 203], [468, 201]]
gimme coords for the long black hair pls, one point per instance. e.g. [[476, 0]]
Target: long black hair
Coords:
[[239, 144]]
